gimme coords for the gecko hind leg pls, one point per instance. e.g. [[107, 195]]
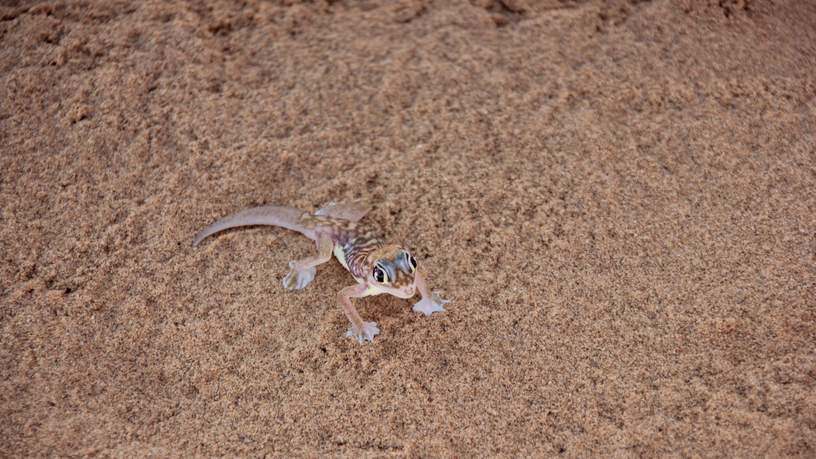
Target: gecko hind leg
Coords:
[[302, 272]]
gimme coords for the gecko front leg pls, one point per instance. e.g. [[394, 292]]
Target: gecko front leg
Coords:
[[302, 272], [430, 302], [359, 330]]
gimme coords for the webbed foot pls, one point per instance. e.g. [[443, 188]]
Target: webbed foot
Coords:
[[430, 305], [369, 331], [298, 278]]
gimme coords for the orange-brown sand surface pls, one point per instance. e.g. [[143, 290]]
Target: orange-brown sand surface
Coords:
[[618, 196]]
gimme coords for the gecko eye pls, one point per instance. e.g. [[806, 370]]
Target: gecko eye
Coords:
[[411, 261], [380, 275]]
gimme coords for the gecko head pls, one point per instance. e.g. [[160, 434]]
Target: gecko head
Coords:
[[392, 271]]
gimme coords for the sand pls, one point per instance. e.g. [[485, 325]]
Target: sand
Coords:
[[618, 196]]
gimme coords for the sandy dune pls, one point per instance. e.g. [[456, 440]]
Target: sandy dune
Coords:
[[618, 196]]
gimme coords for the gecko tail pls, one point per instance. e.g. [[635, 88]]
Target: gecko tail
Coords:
[[286, 217]]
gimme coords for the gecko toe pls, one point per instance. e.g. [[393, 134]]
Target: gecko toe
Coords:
[[428, 306], [289, 281], [369, 331], [298, 279], [305, 277]]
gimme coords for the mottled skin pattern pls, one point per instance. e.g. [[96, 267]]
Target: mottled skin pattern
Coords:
[[356, 241], [377, 267]]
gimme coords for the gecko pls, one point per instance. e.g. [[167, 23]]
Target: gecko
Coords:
[[377, 266]]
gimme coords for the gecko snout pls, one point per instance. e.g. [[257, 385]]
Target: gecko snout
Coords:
[[409, 290], [403, 291]]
